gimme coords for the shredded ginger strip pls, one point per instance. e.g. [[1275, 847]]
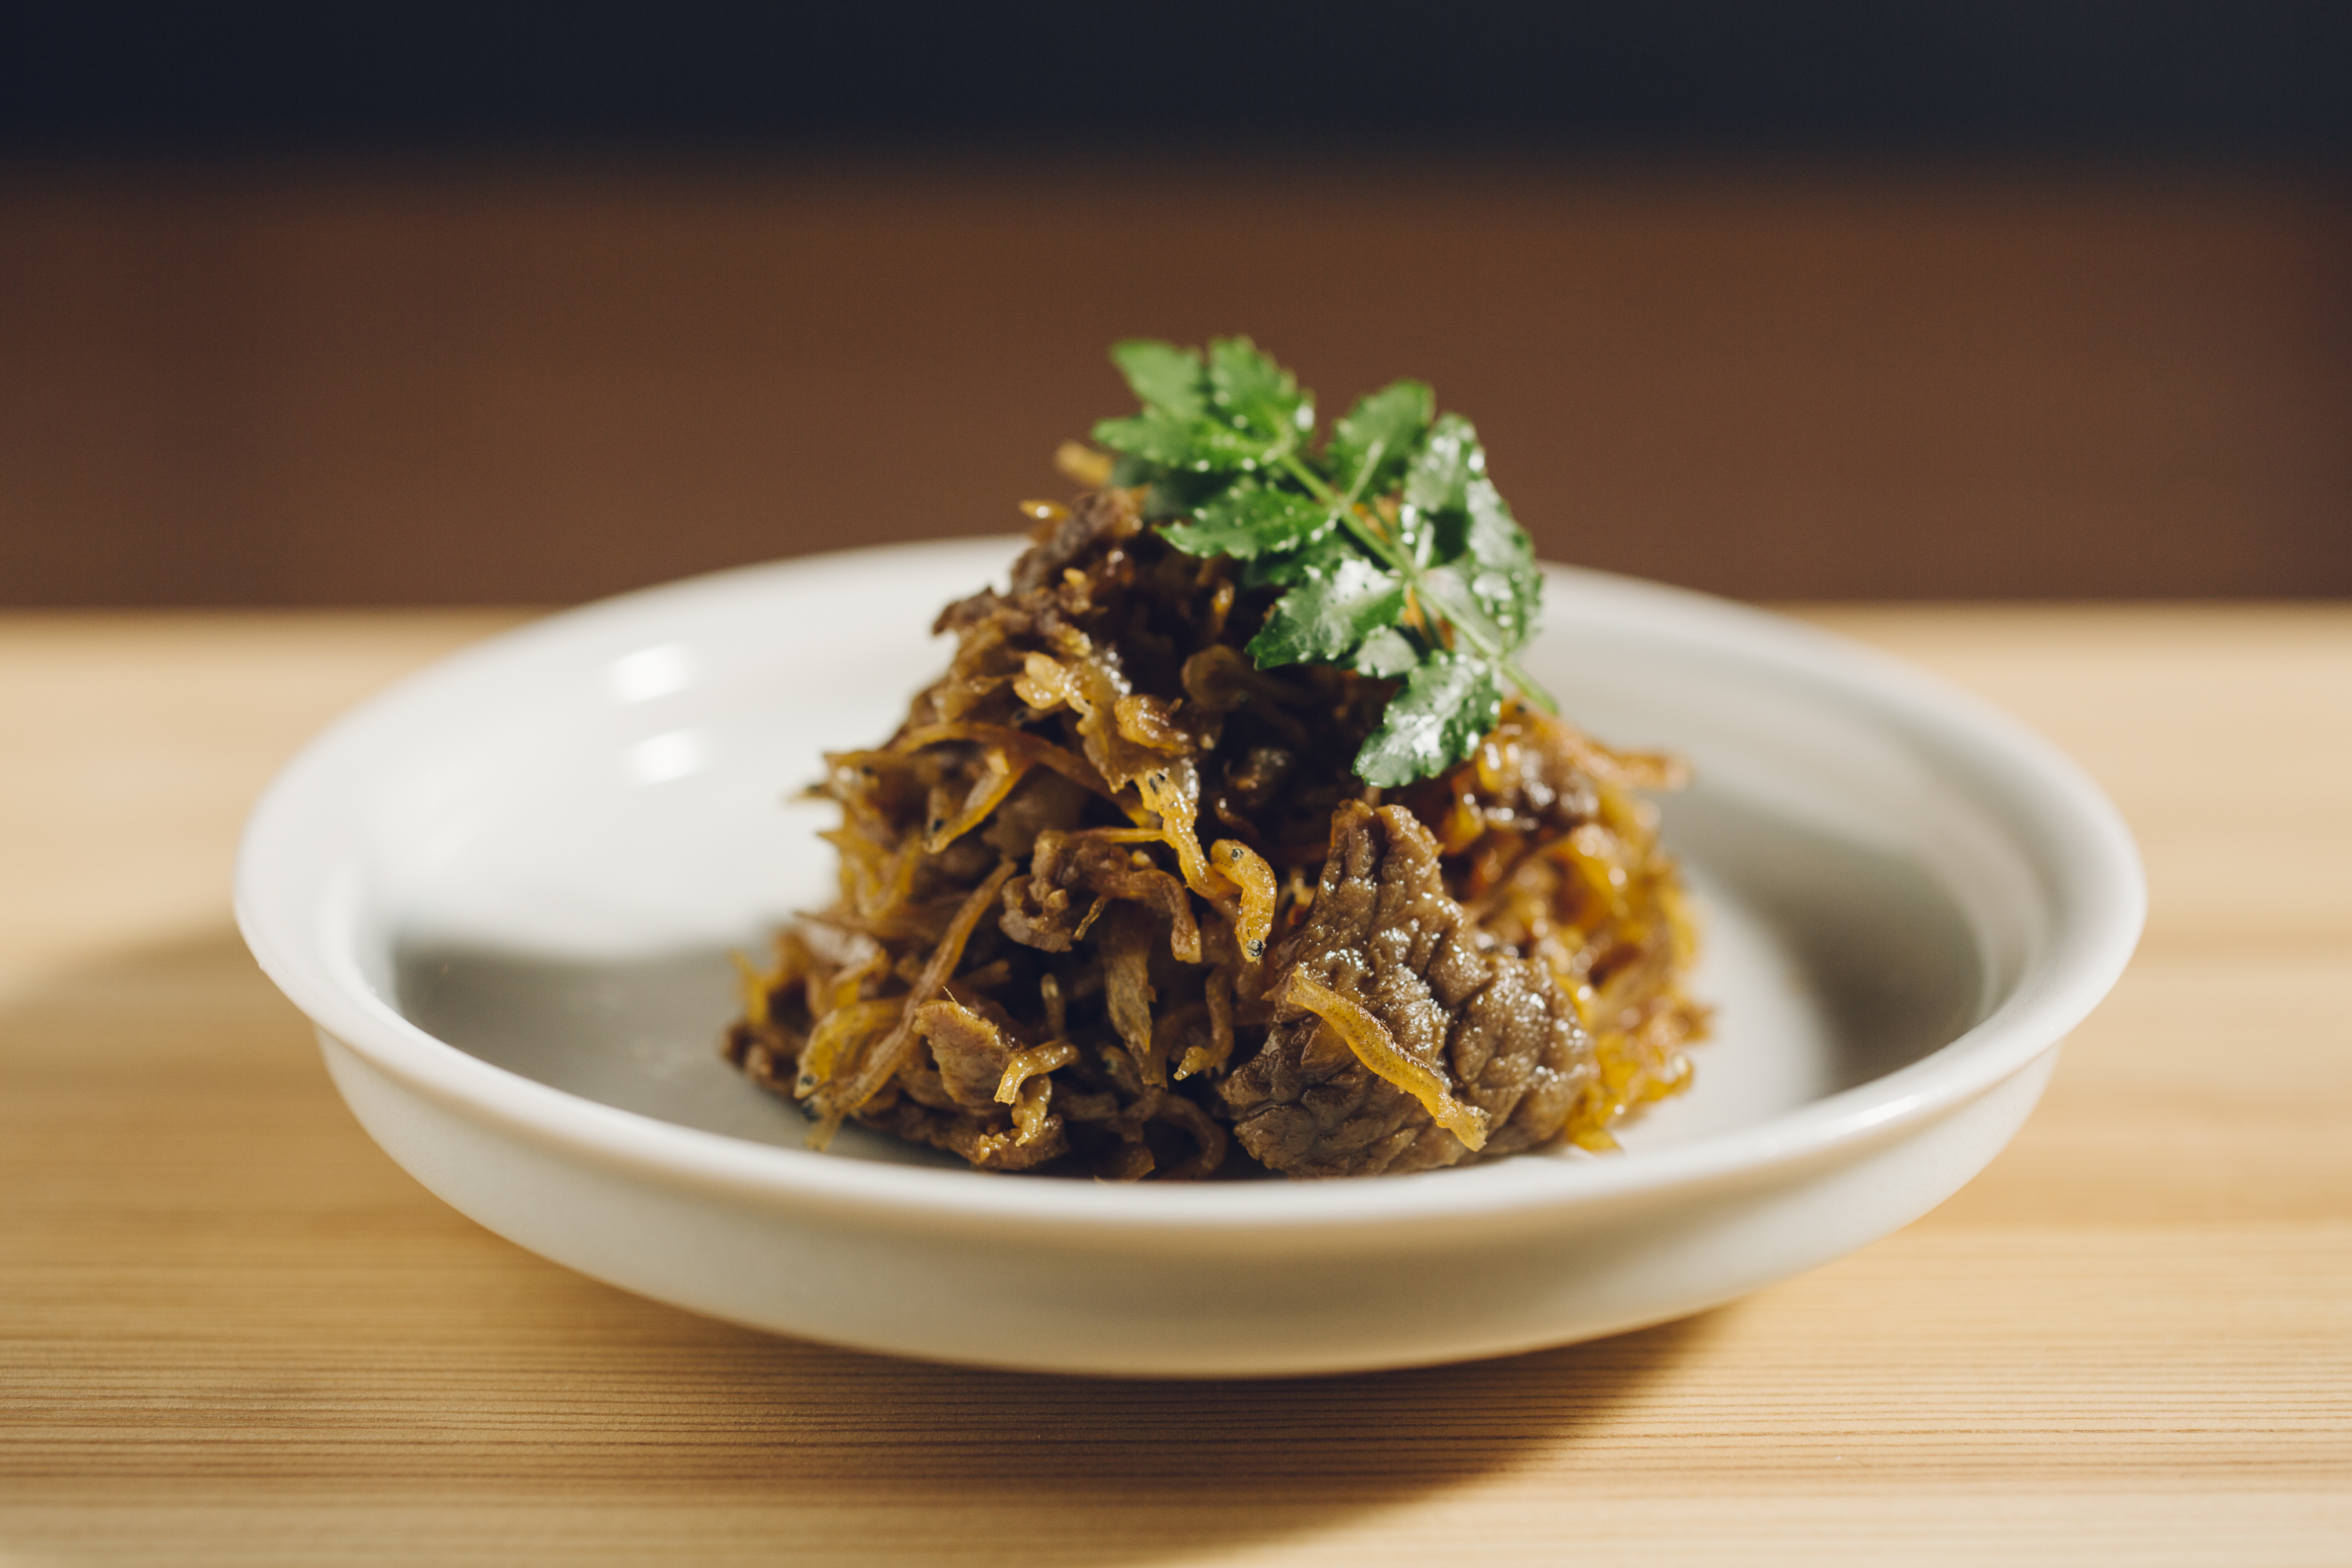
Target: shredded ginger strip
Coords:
[[1247, 869], [1173, 793], [839, 1034], [882, 1062], [1379, 1051], [988, 792], [1020, 743], [754, 984], [1128, 992], [1026, 1064], [1219, 998], [1030, 1109]]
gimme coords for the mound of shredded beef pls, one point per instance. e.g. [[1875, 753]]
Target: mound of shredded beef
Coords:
[[1112, 901]]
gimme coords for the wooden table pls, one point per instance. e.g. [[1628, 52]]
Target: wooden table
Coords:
[[231, 1330]]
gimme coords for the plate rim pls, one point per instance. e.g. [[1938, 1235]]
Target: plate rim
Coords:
[[2095, 884]]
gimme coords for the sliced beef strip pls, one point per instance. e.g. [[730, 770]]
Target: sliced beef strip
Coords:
[[987, 1144], [971, 1051], [1069, 871], [1042, 800], [1383, 931]]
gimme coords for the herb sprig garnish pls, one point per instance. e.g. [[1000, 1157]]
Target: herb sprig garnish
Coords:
[[1398, 557]]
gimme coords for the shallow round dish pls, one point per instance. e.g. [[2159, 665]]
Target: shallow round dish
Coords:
[[506, 890]]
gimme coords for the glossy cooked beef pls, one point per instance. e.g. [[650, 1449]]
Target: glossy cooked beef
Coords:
[[1384, 933], [1112, 898]]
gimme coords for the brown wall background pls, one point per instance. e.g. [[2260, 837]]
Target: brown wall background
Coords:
[[357, 385]]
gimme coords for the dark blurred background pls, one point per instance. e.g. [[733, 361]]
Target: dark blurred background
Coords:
[[516, 302]]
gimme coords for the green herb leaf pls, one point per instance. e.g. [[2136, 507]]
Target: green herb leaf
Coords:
[[1447, 461], [1258, 394], [1157, 438], [1508, 582], [1163, 376], [1235, 413], [1448, 703], [1286, 569], [1249, 519], [1324, 619], [1196, 446], [1393, 420], [1386, 654], [1174, 492], [1395, 509]]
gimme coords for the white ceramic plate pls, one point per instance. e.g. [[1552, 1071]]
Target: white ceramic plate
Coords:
[[505, 892]]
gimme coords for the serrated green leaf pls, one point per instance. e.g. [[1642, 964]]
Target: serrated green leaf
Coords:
[[1446, 462], [1178, 492], [1163, 376], [1496, 537], [1200, 445], [1448, 704], [1322, 555], [1326, 615], [1393, 418], [1249, 519], [1386, 654], [1219, 448], [1448, 591], [1165, 438], [1256, 394], [1507, 583]]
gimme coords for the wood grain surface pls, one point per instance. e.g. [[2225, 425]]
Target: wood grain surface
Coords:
[[231, 1331], [340, 385]]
